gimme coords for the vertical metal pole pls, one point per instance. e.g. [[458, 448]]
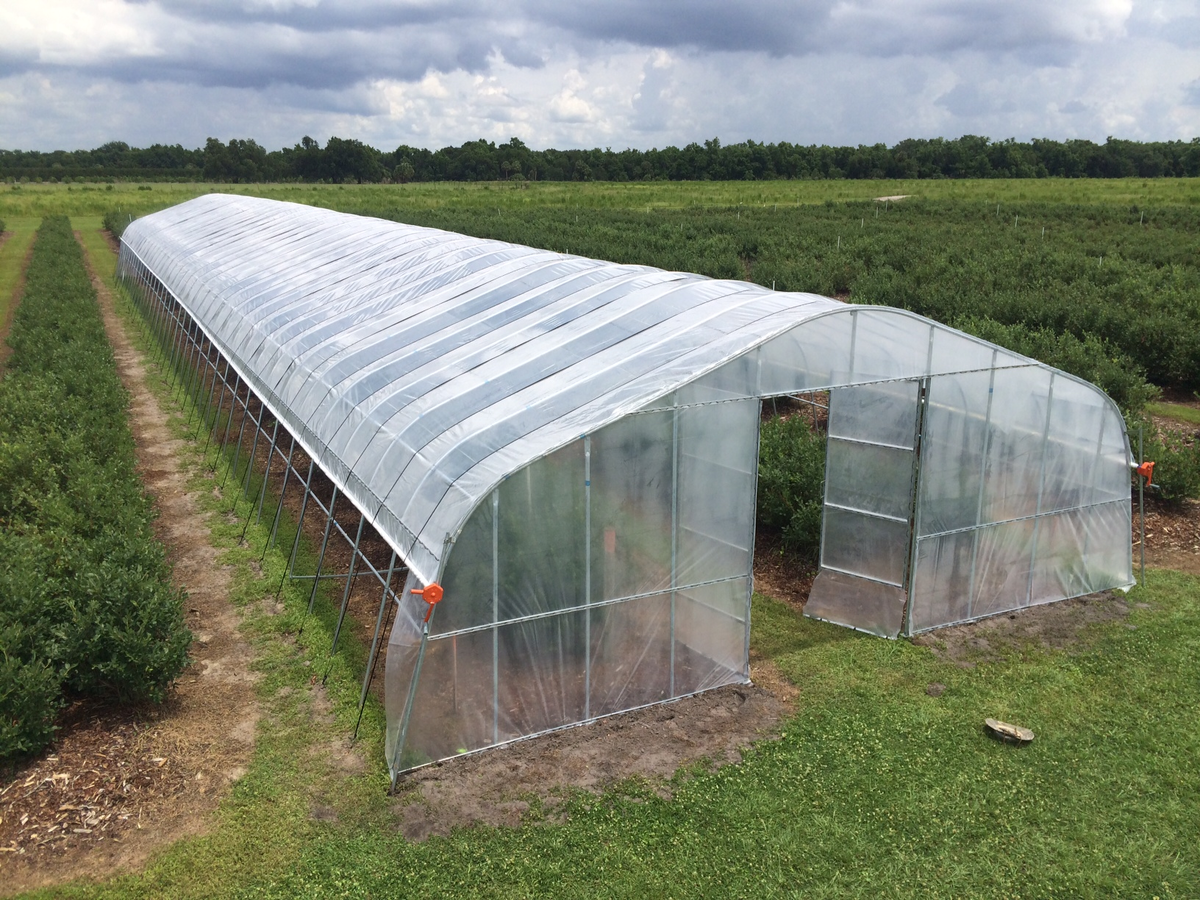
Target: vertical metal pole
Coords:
[[208, 403], [258, 429], [312, 595], [177, 337], [1142, 504], [987, 444], [170, 336], [299, 529], [914, 508], [164, 326], [193, 369], [287, 471], [186, 344], [587, 576], [237, 451], [233, 402], [262, 492], [495, 615], [220, 406], [408, 703], [753, 536], [158, 320], [337, 631], [371, 657], [674, 531], [1037, 521]]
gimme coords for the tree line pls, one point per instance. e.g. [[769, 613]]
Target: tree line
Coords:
[[347, 160]]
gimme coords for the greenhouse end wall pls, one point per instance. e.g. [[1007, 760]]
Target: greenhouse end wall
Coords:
[[962, 481], [611, 574]]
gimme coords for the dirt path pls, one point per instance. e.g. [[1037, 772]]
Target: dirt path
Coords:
[[120, 785]]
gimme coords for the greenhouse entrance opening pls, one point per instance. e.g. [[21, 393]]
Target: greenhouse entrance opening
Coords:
[[871, 477]]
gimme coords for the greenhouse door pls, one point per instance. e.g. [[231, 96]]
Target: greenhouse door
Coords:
[[866, 526]]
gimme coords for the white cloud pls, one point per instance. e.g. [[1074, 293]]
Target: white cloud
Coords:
[[596, 72]]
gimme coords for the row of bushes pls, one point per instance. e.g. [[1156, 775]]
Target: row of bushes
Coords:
[[791, 484], [115, 222], [87, 608]]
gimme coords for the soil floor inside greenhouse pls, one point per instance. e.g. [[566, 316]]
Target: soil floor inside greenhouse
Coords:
[[119, 785]]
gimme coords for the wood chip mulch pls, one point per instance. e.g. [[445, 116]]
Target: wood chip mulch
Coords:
[[89, 788], [1169, 529]]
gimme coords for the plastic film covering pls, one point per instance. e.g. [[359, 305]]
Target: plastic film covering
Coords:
[[608, 575], [420, 368], [1023, 496], [869, 476]]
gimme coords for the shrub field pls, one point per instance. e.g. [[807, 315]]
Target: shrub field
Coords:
[[87, 608], [881, 783]]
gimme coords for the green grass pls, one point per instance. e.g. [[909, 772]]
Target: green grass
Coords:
[[103, 260], [96, 199], [1177, 411], [12, 258]]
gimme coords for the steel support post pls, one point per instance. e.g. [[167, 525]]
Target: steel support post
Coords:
[[266, 474], [262, 493], [237, 451], [371, 657], [287, 471], [312, 595], [258, 423], [337, 630], [299, 528], [220, 406], [212, 388]]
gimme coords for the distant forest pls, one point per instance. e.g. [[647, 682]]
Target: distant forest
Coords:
[[344, 161]]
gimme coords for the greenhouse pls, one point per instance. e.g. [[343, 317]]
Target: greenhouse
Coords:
[[561, 455]]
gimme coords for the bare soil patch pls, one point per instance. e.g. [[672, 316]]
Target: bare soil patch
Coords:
[[499, 787], [1054, 626], [119, 784]]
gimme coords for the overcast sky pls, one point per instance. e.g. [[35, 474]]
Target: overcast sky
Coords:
[[616, 73]]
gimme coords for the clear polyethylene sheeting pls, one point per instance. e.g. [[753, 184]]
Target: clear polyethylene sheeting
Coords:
[[611, 574], [570, 448]]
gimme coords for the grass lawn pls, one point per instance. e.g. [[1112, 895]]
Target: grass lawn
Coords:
[[1177, 411], [12, 257]]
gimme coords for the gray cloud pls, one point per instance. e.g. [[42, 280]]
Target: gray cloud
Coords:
[[1191, 93], [620, 73]]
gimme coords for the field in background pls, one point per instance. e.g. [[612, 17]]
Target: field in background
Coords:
[[96, 200]]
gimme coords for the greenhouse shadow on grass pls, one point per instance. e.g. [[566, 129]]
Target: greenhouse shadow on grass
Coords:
[[568, 448]]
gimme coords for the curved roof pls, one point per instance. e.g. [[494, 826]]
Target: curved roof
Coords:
[[421, 367], [406, 359]]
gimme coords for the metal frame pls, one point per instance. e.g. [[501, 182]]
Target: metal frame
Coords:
[[210, 388]]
